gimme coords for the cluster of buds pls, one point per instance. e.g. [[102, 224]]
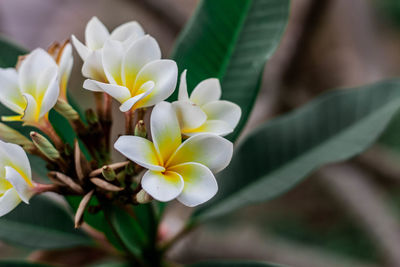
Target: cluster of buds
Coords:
[[173, 150]]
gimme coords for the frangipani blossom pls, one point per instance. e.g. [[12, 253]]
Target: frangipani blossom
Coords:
[[32, 90], [175, 169], [96, 34], [137, 76], [15, 177], [203, 111], [62, 54]]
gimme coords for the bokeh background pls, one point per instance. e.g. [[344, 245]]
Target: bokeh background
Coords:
[[343, 215]]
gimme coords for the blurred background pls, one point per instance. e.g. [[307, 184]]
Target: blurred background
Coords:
[[343, 215]]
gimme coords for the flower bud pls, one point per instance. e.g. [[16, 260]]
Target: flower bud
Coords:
[[140, 129], [142, 197], [66, 110], [108, 173], [45, 146], [10, 135], [91, 116]]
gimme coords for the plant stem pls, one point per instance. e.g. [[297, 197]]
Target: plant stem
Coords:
[[129, 127]]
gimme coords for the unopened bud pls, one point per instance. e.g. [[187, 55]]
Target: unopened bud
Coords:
[[140, 129], [10, 135], [91, 116], [45, 146], [108, 173], [143, 197], [66, 110]]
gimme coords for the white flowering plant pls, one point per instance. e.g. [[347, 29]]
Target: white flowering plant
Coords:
[[181, 118]]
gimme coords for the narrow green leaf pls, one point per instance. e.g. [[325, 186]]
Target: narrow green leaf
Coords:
[[43, 224], [283, 151], [231, 40], [233, 264]]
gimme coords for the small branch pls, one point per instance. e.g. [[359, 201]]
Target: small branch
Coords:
[[68, 181], [129, 127], [105, 185]]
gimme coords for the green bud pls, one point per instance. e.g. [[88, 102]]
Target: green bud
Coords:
[[140, 129], [108, 173], [91, 116], [10, 135], [142, 197], [66, 110], [45, 146]]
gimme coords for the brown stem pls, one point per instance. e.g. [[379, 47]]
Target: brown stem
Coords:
[[129, 127], [41, 188], [98, 98], [45, 126]]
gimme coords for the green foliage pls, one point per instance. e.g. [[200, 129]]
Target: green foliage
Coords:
[[281, 152], [231, 41], [43, 224]]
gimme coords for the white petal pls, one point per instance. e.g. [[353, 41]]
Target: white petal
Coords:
[[95, 34], [224, 111], [206, 91], [65, 66], [19, 183], [48, 90], [140, 53], [210, 150], [129, 104], [82, 50], [31, 113], [190, 116], [211, 126], [199, 183], [139, 150], [165, 130], [163, 73], [13, 155], [127, 31], [91, 85], [162, 186], [10, 96], [93, 67], [112, 55], [183, 93], [34, 65], [120, 93], [8, 201]]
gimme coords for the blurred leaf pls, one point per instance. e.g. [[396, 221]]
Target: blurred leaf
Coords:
[[231, 41], [283, 151], [128, 229], [43, 224], [233, 264], [10, 263]]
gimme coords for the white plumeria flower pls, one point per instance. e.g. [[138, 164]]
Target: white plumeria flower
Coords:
[[96, 35], [203, 111], [15, 177], [32, 90], [137, 76], [175, 169]]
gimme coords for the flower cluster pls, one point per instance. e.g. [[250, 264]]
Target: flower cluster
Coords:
[[174, 149]]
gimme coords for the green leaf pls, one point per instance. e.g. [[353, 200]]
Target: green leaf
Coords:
[[232, 42], [10, 263], [43, 224], [233, 264], [128, 229], [283, 151]]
